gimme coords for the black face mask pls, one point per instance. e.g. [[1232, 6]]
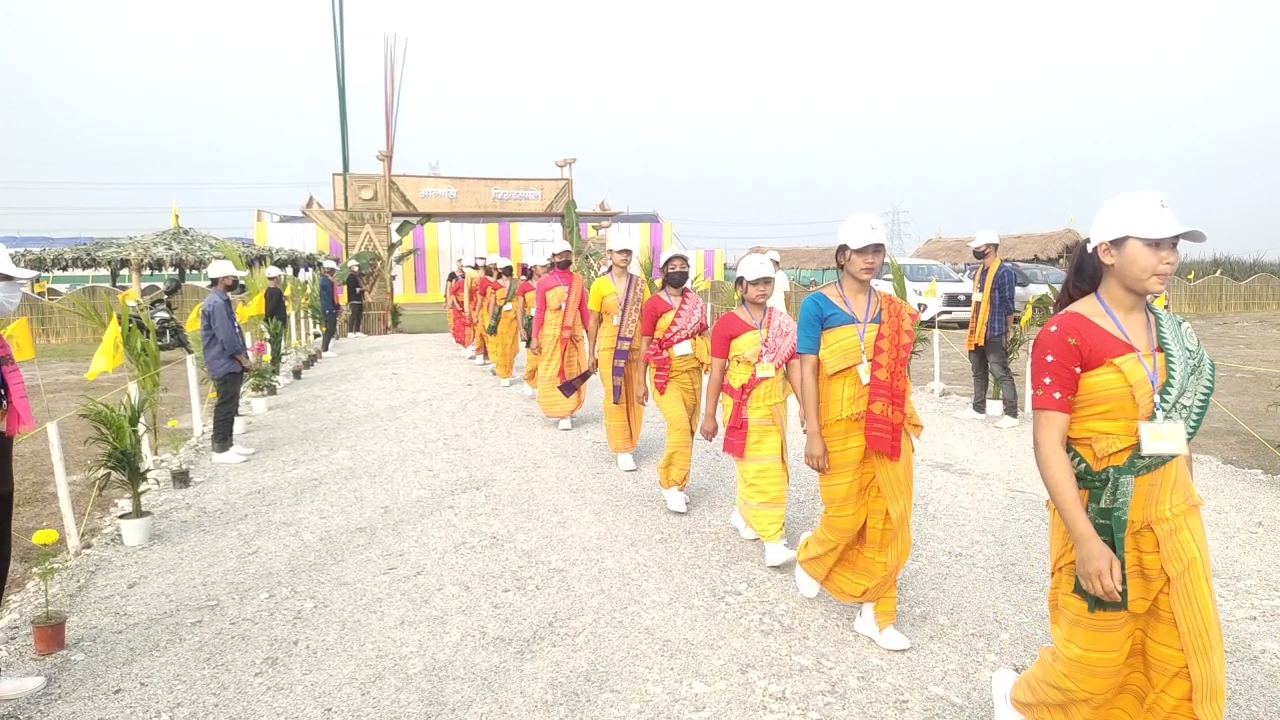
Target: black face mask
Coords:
[[676, 278], [979, 254], [563, 264]]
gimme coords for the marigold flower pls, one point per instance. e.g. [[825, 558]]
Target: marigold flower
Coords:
[[173, 423], [45, 537]]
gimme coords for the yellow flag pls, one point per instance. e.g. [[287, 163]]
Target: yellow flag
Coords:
[[1025, 320], [20, 339], [1191, 275], [193, 320], [175, 213], [129, 295], [110, 352], [1159, 301], [255, 307], [40, 288], [932, 290]]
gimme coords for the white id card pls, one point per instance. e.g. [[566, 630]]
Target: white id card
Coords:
[[864, 372], [682, 348], [1162, 438], [977, 297], [617, 319], [508, 306], [764, 370]]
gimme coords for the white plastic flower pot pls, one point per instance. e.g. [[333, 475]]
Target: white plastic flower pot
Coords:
[[258, 405], [239, 425], [995, 408], [135, 531]]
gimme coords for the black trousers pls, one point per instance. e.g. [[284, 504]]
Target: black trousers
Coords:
[[357, 315], [993, 359], [225, 410], [6, 506], [330, 329]]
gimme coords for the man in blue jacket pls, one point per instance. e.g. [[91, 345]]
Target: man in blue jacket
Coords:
[[328, 306], [225, 359]]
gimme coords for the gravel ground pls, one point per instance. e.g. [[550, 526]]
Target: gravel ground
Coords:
[[383, 560]]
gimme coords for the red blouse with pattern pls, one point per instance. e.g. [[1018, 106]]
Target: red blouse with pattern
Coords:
[[1069, 344]]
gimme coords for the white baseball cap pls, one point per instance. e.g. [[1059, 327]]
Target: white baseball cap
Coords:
[[329, 265], [8, 268], [535, 259], [503, 263], [274, 272], [983, 238], [559, 245], [861, 231], [774, 256], [1143, 215], [755, 267], [616, 242], [492, 259], [353, 264], [467, 261], [672, 253], [223, 268]]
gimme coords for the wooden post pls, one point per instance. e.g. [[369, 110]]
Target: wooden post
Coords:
[[69, 530], [193, 387]]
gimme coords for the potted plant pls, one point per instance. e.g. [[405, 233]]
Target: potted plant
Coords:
[[119, 458], [180, 474], [261, 380], [1037, 310], [48, 628]]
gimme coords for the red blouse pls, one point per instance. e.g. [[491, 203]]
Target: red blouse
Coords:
[[1069, 344], [525, 288], [652, 311]]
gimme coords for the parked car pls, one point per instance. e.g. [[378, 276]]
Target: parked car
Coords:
[[1032, 281], [954, 293]]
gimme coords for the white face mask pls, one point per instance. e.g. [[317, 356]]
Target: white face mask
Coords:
[[10, 296]]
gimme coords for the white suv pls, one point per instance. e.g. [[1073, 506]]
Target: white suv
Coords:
[[954, 293]]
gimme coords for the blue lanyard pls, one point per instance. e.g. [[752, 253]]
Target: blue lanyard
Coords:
[[1153, 371], [759, 325], [860, 326], [669, 300]]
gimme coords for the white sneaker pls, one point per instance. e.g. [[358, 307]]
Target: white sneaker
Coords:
[[744, 531], [677, 502], [506, 382], [12, 688], [1001, 691], [228, 458], [888, 638], [330, 354], [1005, 422], [468, 353], [242, 450], [807, 586], [480, 360], [777, 554], [566, 423], [626, 463], [528, 390], [969, 414]]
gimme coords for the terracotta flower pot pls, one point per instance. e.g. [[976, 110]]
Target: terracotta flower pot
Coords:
[[181, 478], [49, 634]]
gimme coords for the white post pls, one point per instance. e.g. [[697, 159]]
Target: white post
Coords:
[[148, 459], [248, 345], [937, 387], [193, 387], [69, 529], [293, 329], [1027, 403]]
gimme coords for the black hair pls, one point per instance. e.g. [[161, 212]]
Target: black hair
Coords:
[[508, 271], [1084, 275], [842, 254]]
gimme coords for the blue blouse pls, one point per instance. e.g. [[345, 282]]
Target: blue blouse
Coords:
[[817, 314]]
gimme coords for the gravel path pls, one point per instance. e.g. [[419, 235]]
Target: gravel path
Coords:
[[383, 560]]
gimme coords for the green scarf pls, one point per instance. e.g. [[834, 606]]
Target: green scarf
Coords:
[[1188, 386], [496, 315]]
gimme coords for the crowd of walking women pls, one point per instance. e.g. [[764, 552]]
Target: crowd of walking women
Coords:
[[1120, 388]]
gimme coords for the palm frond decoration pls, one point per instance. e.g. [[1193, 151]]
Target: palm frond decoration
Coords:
[[117, 446]]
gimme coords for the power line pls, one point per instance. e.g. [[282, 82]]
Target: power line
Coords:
[[73, 184], [757, 237], [739, 223]]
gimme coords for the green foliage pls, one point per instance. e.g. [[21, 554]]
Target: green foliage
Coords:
[[899, 280], [260, 376], [276, 332], [396, 315], [1235, 267], [46, 565], [117, 446]]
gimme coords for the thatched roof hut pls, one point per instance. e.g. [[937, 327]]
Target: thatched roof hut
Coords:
[[803, 258], [1048, 247]]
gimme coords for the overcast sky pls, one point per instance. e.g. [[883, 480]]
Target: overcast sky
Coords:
[[742, 126]]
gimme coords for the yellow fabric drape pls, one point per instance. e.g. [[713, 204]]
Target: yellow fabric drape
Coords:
[[679, 406], [980, 311], [530, 360], [622, 421], [554, 404], [480, 320], [763, 475], [505, 342], [1164, 656], [863, 536]]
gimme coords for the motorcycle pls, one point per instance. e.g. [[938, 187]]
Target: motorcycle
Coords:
[[163, 317]]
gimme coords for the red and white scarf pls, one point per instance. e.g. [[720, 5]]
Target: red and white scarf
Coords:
[[689, 322], [778, 348]]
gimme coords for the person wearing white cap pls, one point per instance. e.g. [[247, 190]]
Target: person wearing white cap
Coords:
[[502, 326], [329, 307], [673, 340], [1134, 620], [225, 358], [855, 350], [781, 283], [484, 289], [275, 311], [459, 305], [18, 419], [990, 327], [526, 304], [559, 321], [355, 299], [615, 302], [754, 364]]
